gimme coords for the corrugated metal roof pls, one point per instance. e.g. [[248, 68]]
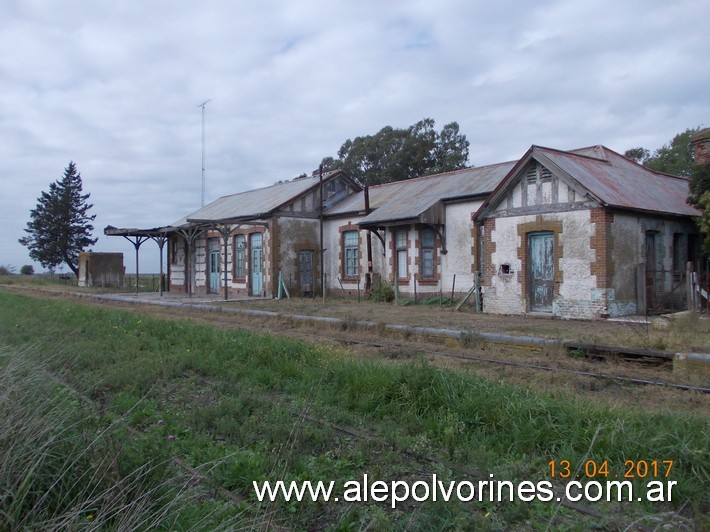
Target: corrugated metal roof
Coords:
[[619, 182], [252, 203], [406, 200]]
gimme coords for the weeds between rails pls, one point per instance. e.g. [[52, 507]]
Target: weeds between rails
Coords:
[[387, 346], [470, 339]]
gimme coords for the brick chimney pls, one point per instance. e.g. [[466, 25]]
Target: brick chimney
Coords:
[[701, 146]]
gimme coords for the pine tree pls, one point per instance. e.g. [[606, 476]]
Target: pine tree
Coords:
[[60, 226]]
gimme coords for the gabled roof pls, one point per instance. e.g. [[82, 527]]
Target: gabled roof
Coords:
[[411, 199], [608, 178], [258, 203]]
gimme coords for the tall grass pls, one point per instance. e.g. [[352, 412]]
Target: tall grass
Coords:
[[236, 394], [63, 467]]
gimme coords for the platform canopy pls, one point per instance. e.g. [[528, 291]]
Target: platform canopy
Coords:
[[138, 236]]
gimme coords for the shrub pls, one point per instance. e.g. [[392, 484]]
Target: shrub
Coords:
[[381, 292], [6, 270], [27, 269]]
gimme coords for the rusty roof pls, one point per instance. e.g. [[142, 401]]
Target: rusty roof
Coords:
[[616, 181], [409, 199], [608, 178]]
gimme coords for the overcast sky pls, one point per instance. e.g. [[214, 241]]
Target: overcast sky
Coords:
[[115, 86]]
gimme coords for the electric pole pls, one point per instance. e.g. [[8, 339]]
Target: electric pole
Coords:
[[203, 149]]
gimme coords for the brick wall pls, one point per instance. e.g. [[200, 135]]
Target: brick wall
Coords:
[[602, 267], [489, 247]]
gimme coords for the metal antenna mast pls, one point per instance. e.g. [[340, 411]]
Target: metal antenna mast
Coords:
[[203, 148]]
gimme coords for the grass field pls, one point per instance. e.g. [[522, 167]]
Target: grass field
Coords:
[[118, 413]]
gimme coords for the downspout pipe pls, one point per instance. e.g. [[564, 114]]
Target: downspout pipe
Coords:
[[321, 214], [368, 277]]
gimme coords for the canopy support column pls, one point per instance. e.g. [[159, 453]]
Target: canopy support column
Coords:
[[190, 235], [160, 240], [137, 241]]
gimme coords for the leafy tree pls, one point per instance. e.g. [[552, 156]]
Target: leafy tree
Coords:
[[452, 149], [674, 158], [27, 269], [699, 185], [700, 198], [677, 158], [637, 154], [60, 226], [395, 154]]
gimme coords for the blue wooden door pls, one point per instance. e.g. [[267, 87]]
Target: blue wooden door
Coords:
[[214, 271], [256, 275], [541, 271]]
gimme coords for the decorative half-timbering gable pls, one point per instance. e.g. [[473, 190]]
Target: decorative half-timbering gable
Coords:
[[537, 189], [336, 188]]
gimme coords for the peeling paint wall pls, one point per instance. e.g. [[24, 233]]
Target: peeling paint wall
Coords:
[[332, 243], [176, 257], [502, 292], [294, 236], [460, 246], [626, 256], [629, 255], [575, 295], [600, 270], [100, 269]]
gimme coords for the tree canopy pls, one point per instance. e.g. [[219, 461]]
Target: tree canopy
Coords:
[[677, 158], [395, 154], [60, 226], [674, 158]]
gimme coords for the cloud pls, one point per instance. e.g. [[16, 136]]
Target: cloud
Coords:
[[115, 86]]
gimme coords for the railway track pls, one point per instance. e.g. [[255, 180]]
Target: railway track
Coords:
[[512, 363], [267, 319]]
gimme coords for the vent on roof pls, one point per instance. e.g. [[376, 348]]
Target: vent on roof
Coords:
[[537, 171], [531, 174]]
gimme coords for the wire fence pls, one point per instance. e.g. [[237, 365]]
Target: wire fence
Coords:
[[147, 282]]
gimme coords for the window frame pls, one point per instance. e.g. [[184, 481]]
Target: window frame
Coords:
[[351, 254], [429, 246], [240, 256], [401, 253]]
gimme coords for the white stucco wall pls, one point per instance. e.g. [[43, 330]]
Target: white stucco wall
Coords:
[[459, 260], [333, 243], [577, 295], [504, 294]]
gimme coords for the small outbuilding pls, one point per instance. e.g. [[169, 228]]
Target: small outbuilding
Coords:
[[101, 269]]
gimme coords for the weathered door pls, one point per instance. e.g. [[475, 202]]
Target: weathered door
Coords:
[[256, 276], [651, 273], [214, 271], [541, 271], [305, 271]]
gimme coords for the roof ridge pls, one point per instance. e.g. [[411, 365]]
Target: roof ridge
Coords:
[[657, 172], [442, 174], [576, 152], [282, 183]]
